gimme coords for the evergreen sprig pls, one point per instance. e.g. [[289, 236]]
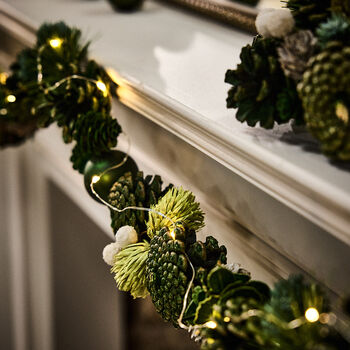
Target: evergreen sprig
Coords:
[[57, 83]]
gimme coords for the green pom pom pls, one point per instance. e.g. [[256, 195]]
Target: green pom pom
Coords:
[[130, 269], [178, 205], [337, 28]]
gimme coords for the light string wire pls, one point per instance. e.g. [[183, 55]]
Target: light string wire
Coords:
[[104, 89], [100, 85]]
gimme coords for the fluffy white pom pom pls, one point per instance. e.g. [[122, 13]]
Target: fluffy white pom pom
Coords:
[[126, 235], [274, 23], [109, 253]]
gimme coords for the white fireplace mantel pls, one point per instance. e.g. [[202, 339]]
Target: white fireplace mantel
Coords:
[[278, 207]]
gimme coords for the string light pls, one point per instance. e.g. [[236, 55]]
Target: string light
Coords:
[[95, 179], [342, 112], [102, 86], [11, 98], [3, 111], [211, 324], [56, 43], [312, 315], [172, 234], [227, 319], [3, 77]]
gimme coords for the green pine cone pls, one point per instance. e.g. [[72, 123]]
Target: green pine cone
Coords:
[[257, 82], [308, 14], [96, 132], [168, 273], [325, 93], [139, 192]]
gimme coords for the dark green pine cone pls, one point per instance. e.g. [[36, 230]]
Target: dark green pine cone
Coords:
[[208, 254], [258, 83], [308, 14], [232, 331], [95, 132], [78, 97], [168, 273], [325, 93], [139, 192]]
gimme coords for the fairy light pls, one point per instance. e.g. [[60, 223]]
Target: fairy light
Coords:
[[95, 179], [211, 324], [172, 234], [342, 112], [3, 111], [227, 319], [3, 77], [11, 98], [102, 86], [312, 315], [55, 43]]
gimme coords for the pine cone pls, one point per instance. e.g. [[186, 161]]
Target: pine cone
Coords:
[[78, 97], [325, 92], [169, 271], [308, 14], [96, 132], [139, 192], [257, 82], [295, 52]]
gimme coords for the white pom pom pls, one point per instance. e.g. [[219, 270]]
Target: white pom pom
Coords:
[[274, 23], [262, 21], [109, 253], [126, 235]]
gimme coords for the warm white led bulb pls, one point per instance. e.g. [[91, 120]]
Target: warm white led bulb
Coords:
[[172, 234], [95, 179], [55, 43], [101, 85], [312, 315], [11, 98], [211, 324]]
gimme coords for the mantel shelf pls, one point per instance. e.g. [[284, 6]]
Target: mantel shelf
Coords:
[[171, 67]]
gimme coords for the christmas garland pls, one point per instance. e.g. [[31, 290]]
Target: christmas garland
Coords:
[[156, 252], [297, 69]]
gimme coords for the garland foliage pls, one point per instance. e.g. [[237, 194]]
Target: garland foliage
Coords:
[[188, 280], [54, 81], [298, 72]]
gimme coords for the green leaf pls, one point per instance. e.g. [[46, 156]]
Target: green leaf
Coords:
[[205, 309], [243, 291], [219, 277], [262, 288]]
